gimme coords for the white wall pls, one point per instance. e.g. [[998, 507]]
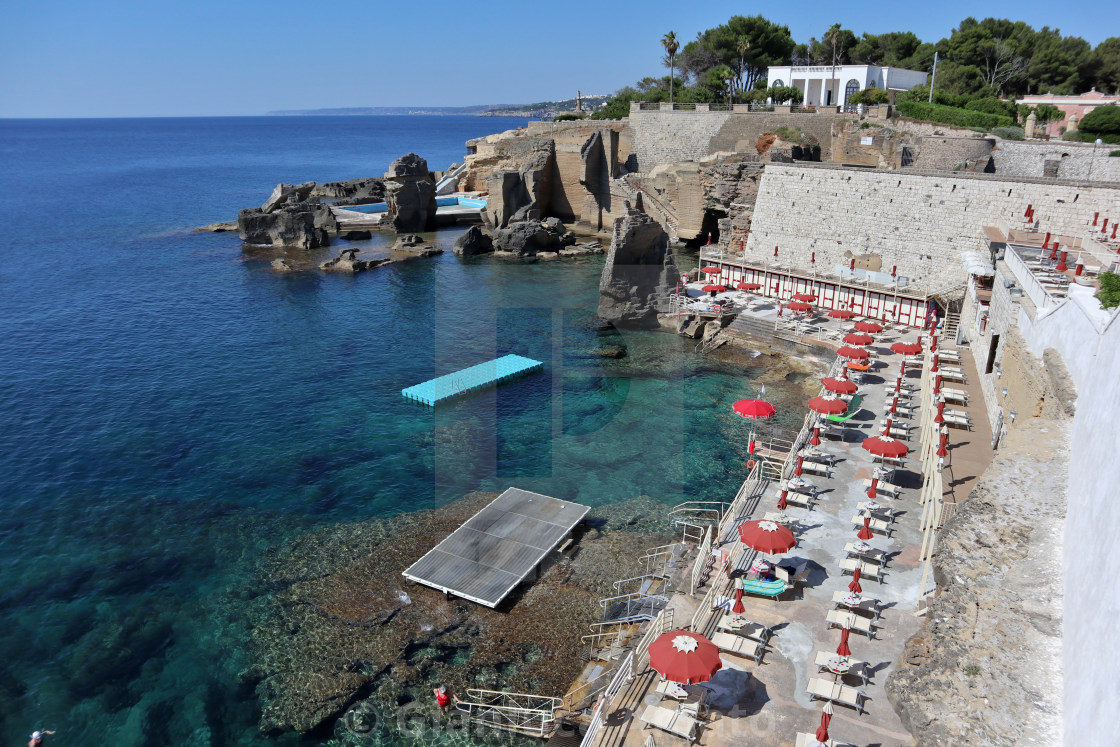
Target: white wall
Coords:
[[1091, 562]]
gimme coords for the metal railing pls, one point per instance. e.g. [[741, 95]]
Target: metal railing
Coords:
[[662, 623], [702, 558], [518, 712], [621, 676]]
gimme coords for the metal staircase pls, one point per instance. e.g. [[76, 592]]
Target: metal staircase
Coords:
[[534, 715], [949, 328]]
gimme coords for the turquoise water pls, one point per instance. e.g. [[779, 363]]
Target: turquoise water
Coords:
[[172, 407]]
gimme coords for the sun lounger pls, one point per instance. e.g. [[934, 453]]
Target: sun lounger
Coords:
[[783, 518], [791, 578], [763, 588], [886, 513], [836, 692], [883, 487], [853, 408], [798, 498], [866, 569], [857, 623], [858, 667], [866, 604], [898, 430], [951, 374], [900, 410], [832, 431], [957, 417], [817, 468], [738, 645], [754, 631], [816, 455], [674, 722], [954, 395], [874, 555]]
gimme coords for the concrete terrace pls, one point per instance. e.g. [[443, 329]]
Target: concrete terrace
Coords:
[[766, 703]]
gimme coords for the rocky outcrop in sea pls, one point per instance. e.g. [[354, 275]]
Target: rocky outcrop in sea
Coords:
[[639, 270]]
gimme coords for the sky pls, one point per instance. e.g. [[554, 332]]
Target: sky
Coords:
[[122, 58]]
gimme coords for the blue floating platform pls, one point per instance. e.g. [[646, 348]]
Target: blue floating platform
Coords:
[[491, 373]]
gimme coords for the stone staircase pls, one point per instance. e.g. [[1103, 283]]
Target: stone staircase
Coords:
[[651, 206]]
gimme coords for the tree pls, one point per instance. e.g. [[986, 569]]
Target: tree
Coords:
[[669, 41], [892, 49], [742, 48], [1104, 120], [1106, 65], [1059, 65], [833, 37], [870, 96], [1045, 113], [785, 94], [746, 44], [1109, 293]]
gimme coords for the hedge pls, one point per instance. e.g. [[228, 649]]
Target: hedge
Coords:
[[950, 115], [1080, 136]]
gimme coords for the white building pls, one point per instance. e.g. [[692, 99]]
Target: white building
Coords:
[[825, 85]]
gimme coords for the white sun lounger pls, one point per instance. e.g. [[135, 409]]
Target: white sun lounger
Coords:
[[754, 631], [836, 692], [674, 722], [876, 525], [885, 488], [817, 468], [871, 556], [950, 374], [810, 740], [866, 604], [957, 417], [738, 645], [858, 623], [858, 668], [959, 396], [866, 569]]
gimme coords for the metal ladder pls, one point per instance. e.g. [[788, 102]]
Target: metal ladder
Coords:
[[534, 715]]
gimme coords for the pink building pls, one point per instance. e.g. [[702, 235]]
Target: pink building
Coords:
[[1077, 106]]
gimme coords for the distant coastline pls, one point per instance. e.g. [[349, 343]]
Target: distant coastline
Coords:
[[538, 109]]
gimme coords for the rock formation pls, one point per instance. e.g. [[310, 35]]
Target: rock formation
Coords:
[[639, 269], [474, 241], [347, 261], [413, 246], [410, 193], [306, 225], [523, 194], [527, 238], [598, 166], [287, 193], [352, 191]]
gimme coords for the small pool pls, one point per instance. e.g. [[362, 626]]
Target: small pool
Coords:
[[448, 201]]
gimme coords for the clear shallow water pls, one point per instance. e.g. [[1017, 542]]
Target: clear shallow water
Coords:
[[170, 407]]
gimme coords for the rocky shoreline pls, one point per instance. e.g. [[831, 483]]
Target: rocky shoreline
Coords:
[[346, 632]]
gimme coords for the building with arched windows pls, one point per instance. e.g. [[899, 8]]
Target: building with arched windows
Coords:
[[825, 85]]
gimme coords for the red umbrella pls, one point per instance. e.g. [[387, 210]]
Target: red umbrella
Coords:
[[874, 489], [804, 296], [843, 649], [933, 344], [748, 286], [816, 439], [887, 427], [841, 314], [858, 338], [907, 348], [1062, 267], [872, 327], [898, 385], [767, 537], [936, 360], [799, 306], [940, 417], [782, 501], [684, 657], [800, 461], [840, 386], [941, 450], [865, 533], [714, 288], [738, 601], [853, 353], [826, 719], [854, 586], [885, 446], [902, 369], [755, 409], [937, 384], [894, 405], [828, 405], [710, 270]]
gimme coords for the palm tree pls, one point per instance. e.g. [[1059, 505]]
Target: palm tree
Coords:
[[742, 48], [669, 41], [831, 37]]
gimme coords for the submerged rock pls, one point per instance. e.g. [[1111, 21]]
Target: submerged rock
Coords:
[[347, 261], [639, 270], [221, 227]]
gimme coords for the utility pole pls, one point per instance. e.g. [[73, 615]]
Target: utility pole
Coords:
[[934, 78]]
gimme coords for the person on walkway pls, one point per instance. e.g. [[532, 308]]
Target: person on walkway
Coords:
[[37, 737]]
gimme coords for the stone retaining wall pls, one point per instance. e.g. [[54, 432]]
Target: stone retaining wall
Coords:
[[917, 222], [1057, 159]]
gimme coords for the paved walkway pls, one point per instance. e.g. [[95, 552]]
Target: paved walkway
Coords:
[[767, 703]]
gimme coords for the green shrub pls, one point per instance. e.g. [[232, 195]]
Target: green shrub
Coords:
[[1078, 136], [1009, 133], [1104, 120], [568, 117], [1114, 153], [951, 115], [784, 94], [993, 106], [1109, 293], [869, 96], [868, 125]]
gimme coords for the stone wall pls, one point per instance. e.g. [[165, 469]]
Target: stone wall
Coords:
[[740, 131], [919, 222], [951, 153], [1056, 159]]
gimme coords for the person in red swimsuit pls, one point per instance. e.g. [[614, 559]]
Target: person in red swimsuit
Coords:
[[443, 697], [37, 737]]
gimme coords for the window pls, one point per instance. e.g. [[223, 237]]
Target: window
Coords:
[[852, 87], [778, 82]]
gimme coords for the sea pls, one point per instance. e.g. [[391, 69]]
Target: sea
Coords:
[[171, 407]]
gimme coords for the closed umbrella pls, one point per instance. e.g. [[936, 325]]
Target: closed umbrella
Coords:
[[738, 608], [816, 439], [887, 427], [894, 405], [933, 344], [800, 462], [941, 450], [858, 338], [937, 384], [685, 657], [874, 489], [865, 533], [869, 326], [940, 417], [843, 649], [782, 501], [936, 361], [854, 587], [902, 369], [826, 719]]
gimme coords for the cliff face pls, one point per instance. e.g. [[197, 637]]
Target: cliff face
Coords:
[[638, 270], [987, 670]]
